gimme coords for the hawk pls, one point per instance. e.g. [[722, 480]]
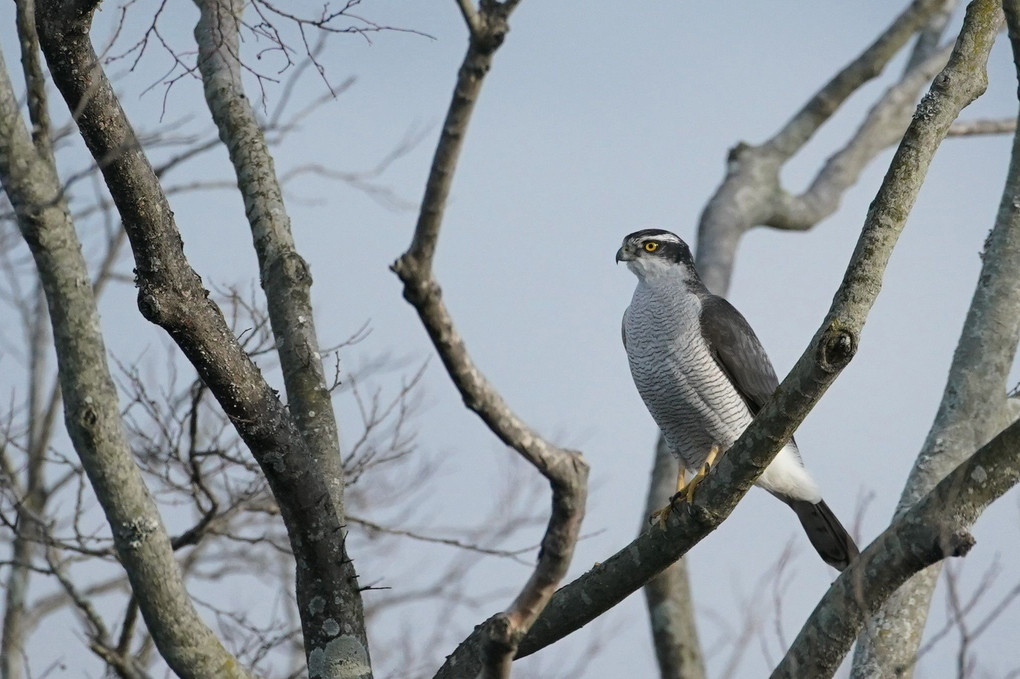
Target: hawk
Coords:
[[704, 375]]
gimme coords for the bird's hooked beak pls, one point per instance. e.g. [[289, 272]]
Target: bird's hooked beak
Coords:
[[624, 254]]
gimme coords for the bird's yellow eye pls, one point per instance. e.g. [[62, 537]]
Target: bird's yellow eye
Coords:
[[651, 246]]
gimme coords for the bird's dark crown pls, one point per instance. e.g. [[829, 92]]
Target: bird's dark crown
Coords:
[[669, 246]]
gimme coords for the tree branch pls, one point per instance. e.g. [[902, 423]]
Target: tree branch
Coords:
[[91, 407], [467, 10], [751, 192], [668, 594], [35, 79], [882, 127], [172, 296], [931, 530], [566, 470], [973, 409], [493, 18], [969, 128], [286, 281], [796, 133]]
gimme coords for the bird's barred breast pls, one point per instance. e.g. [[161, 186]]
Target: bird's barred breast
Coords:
[[688, 395]]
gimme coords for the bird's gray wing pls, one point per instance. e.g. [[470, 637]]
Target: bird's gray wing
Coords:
[[738, 351], [623, 330]]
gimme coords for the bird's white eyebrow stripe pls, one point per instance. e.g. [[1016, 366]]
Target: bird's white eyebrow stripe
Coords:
[[663, 237]]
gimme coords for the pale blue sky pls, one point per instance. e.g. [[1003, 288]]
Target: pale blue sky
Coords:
[[596, 120]]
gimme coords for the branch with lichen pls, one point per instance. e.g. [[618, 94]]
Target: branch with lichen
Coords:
[[91, 409], [286, 281], [935, 528], [172, 296], [752, 193], [973, 409]]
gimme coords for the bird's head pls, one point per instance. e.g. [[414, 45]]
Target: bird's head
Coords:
[[653, 253]]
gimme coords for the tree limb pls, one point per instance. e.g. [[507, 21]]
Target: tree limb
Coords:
[[973, 409], [668, 594], [796, 133], [882, 127], [751, 191], [172, 296], [91, 407], [286, 281], [566, 470], [934, 528], [970, 128], [35, 79]]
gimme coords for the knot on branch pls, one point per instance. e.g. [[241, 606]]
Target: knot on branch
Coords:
[[489, 32], [419, 286], [501, 640], [286, 264], [149, 305], [736, 152], [836, 349], [957, 544], [580, 465]]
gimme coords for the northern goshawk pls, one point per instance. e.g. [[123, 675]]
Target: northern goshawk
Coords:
[[703, 375]]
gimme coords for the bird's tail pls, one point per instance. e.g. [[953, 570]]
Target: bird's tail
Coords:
[[825, 532]]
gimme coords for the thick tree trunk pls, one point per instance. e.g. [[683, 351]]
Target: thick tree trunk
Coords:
[[304, 483], [91, 409], [668, 594], [287, 282]]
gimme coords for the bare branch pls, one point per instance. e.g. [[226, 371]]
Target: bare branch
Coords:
[[868, 65], [668, 594], [882, 127], [931, 530], [172, 296], [566, 470], [472, 72], [35, 79], [752, 193], [372, 526], [969, 128], [286, 281], [91, 411], [467, 10], [972, 410]]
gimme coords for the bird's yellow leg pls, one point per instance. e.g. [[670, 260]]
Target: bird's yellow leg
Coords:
[[659, 516], [702, 473]]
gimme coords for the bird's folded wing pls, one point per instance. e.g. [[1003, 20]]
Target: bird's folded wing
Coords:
[[738, 351]]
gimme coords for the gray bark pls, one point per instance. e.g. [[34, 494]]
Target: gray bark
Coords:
[[16, 625], [566, 471], [973, 409], [91, 410], [752, 194], [171, 295], [934, 528], [33, 496], [286, 281], [668, 594]]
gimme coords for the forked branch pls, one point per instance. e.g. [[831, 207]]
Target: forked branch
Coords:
[[933, 529], [566, 470]]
